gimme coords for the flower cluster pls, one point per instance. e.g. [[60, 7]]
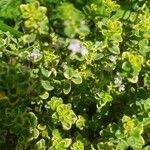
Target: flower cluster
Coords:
[[35, 54], [112, 58], [118, 82], [76, 47]]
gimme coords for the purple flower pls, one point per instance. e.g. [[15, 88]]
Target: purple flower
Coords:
[[76, 47], [34, 54], [122, 88], [83, 51], [118, 80], [112, 58]]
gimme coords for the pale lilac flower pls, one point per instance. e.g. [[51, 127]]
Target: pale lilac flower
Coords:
[[112, 58], [122, 88], [117, 80], [34, 54], [83, 51], [76, 47]]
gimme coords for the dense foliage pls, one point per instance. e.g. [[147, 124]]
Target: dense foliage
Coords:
[[75, 75]]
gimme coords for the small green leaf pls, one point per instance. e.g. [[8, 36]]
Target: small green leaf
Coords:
[[70, 31], [98, 56], [84, 30], [45, 95], [2, 42], [80, 123], [77, 79], [146, 148], [134, 79], [36, 133], [126, 66], [148, 62], [67, 88], [122, 145], [68, 73], [41, 127], [6, 28], [56, 134], [67, 142], [78, 145], [45, 72], [46, 85], [114, 49], [29, 38], [54, 102], [66, 125], [40, 145], [1, 54], [135, 141], [147, 105], [32, 119]]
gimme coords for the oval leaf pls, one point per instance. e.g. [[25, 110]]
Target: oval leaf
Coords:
[[46, 85], [77, 79]]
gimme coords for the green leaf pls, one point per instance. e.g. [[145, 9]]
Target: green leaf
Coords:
[[45, 72], [84, 30], [67, 88], [98, 56], [36, 133], [148, 62], [54, 102], [56, 134], [80, 123], [67, 142], [46, 85], [70, 31], [68, 73], [40, 145], [78, 145], [77, 79], [45, 134], [2, 42], [66, 125], [143, 47], [9, 8], [29, 38], [146, 148], [41, 127], [45, 95], [6, 28], [114, 49], [32, 119], [146, 121], [126, 66], [1, 54], [134, 79], [135, 141], [122, 145]]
